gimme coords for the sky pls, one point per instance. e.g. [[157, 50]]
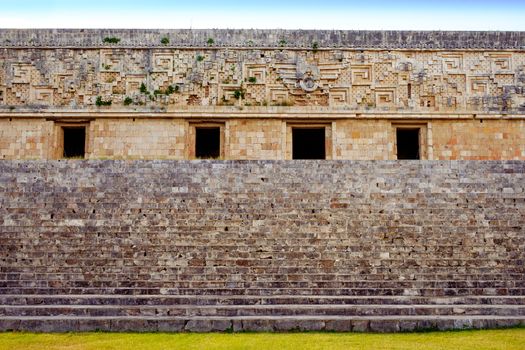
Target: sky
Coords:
[[280, 14]]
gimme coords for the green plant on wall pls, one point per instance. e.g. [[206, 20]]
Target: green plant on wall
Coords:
[[165, 40], [252, 80], [127, 101], [238, 94], [111, 40], [210, 41], [200, 58], [172, 89], [100, 102], [315, 46], [144, 89]]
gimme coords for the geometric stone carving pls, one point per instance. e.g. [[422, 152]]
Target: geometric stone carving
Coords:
[[279, 94], [163, 62], [339, 96], [258, 72], [452, 63], [428, 101], [385, 97], [362, 75], [501, 62], [21, 73], [133, 83], [403, 79], [110, 61], [42, 95], [479, 85]]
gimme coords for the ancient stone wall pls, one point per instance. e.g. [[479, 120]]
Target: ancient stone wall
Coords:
[[311, 227], [379, 71], [267, 138], [140, 93]]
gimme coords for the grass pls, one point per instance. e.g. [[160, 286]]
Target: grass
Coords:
[[506, 339]]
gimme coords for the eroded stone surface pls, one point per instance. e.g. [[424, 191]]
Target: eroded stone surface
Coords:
[[452, 231]]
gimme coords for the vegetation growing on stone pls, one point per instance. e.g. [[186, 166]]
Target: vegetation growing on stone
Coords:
[[238, 94], [172, 89], [144, 89], [100, 102], [111, 40]]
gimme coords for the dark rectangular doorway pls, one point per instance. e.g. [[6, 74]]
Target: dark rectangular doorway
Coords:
[[308, 143], [208, 142], [408, 143], [74, 142]]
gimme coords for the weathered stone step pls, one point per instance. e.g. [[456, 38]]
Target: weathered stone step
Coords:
[[260, 310], [104, 299], [292, 273], [428, 292], [275, 282], [255, 323]]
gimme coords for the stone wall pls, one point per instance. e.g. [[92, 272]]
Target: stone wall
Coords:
[[266, 138], [262, 228], [255, 139], [272, 38], [425, 72], [141, 138], [26, 139], [140, 93], [483, 139]]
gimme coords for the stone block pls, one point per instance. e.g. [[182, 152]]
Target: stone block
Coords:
[[170, 325], [338, 325], [360, 326], [407, 326], [384, 326], [257, 326], [49, 326], [9, 325], [199, 326], [93, 325]]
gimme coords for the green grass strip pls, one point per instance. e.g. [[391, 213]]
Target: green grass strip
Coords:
[[504, 339]]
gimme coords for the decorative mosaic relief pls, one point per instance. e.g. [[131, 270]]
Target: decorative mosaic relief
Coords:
[[163, 78]]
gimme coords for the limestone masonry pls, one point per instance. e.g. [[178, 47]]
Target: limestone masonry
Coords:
[[113, 217], [140, 94], [268, 245]]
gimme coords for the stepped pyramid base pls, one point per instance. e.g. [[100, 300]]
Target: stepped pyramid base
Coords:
[[255, 324], [173, 313]]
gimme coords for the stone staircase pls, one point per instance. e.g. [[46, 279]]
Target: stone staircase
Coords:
[[261, 246], [201, 313]]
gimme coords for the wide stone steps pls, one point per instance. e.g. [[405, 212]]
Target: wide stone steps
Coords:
[[161, 300], [255, 313], [275, 283], [254, 323], [262, 310], [231, 291]]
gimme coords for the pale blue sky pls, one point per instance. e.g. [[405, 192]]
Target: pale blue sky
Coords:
[[306, 14]]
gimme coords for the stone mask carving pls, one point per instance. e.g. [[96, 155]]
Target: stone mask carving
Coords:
[[308, 76]]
